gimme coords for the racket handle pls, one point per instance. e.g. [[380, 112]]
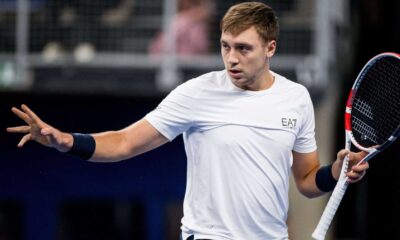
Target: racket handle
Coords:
[[333, 203], [330, 210]]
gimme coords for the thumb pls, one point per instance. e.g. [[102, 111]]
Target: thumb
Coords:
[[46, 131], [56, 138], [52, 135]]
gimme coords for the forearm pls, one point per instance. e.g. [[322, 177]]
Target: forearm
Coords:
[[111, 146], [131, 141], [312, 179], [100, 147], [318, 182]]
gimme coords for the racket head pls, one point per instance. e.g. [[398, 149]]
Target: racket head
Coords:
[[372, 117]]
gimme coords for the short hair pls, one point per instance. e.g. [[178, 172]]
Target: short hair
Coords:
[[243, 16]]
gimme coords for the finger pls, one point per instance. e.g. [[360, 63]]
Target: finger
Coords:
[[30, 113], [342, 154], [355, 176], [19, 129], [358, 156], [25, 139], [361, 167], [21, 115]]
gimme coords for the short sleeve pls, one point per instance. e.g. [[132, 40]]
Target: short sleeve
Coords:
[[305, 141], [173, 115]]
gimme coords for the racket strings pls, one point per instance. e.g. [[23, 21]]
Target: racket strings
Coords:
[[376, 104], [365, 132]]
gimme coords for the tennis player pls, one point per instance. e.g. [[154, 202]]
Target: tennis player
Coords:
[[245, 128]]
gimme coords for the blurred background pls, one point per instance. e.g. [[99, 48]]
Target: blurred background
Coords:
[[91, 66]]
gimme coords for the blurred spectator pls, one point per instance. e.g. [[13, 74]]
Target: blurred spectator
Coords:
[[191, 26]]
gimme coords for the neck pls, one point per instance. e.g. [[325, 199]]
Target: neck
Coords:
[[267, 81], [263, 82]]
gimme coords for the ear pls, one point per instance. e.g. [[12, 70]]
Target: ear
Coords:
[[270, 49]]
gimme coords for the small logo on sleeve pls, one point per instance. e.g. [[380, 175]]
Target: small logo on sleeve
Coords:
[[289, 122]]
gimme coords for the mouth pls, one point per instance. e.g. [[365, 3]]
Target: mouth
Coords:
[[235, 73]]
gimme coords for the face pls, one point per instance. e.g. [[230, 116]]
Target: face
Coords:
[[246, 58]]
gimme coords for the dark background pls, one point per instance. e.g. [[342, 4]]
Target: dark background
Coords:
[[46, 193], [370, 209]]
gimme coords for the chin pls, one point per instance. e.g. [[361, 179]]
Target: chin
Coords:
[[240, 83]]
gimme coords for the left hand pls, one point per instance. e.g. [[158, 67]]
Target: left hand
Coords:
[[355, 173]]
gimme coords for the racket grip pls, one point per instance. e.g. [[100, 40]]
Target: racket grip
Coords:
[[330, 210]]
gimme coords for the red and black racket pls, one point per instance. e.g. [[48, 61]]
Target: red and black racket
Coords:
[[372, 121]]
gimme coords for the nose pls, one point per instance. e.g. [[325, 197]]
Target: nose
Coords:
[[232, 57]]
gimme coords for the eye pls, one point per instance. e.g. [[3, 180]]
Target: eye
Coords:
[[225, 46], [243, 48]]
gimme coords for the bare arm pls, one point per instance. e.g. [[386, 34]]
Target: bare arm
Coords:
[[131, 141], [306, 165], [111, 146]]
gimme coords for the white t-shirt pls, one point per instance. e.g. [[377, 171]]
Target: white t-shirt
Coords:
[[239, 153]]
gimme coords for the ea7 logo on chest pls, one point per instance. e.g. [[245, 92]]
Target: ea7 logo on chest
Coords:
[[289, 122]]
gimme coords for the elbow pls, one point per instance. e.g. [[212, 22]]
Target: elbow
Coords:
[[128, 147], [309, 191], [309, 194]]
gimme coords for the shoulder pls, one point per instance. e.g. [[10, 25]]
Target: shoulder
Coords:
[[210, 78], [195, 87], [286, 84], [205, 81], [292, 89]]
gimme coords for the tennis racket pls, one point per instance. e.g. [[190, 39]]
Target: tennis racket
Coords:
[[372, 121]]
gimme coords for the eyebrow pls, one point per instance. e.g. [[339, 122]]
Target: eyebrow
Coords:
[[238, 44]]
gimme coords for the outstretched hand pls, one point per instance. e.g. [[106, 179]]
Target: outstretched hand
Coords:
[[39, 131]]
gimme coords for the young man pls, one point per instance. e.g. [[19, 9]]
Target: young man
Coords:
[[244, 128]]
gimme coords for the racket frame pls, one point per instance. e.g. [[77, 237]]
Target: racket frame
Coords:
[[372, 150], [338, 193]]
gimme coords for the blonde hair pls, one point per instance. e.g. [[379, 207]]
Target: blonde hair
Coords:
[[243, 16]]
